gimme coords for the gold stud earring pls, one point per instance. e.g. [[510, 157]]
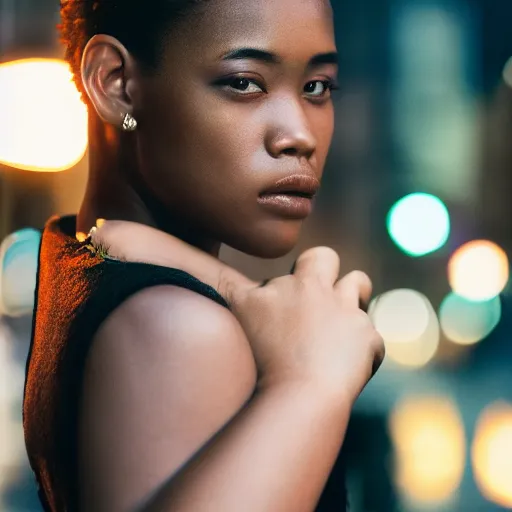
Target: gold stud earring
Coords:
[[129, 123]]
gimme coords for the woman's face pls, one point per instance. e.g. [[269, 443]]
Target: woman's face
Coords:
[[240, 102]]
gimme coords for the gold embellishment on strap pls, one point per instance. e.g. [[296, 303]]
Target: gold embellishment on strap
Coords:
[[98, 249], [81, 237]]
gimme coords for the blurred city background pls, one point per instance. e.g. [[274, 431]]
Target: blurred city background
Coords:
[[417, 193]]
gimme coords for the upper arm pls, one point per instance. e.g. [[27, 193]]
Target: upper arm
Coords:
[[166, 371]]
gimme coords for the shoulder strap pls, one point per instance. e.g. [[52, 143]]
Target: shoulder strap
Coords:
[[119, 280]]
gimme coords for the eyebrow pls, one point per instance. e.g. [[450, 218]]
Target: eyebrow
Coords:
[[272, 58]]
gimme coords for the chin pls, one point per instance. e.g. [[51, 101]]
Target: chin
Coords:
[[270, 241]]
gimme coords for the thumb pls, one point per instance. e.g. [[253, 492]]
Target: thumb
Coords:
[[131, 241]]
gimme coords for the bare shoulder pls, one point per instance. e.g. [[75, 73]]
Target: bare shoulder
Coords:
[[158, 318], [167, 370]]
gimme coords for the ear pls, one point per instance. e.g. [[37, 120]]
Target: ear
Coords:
[[108, 76]]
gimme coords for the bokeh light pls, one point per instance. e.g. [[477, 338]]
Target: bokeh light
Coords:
[[507, 73], [12, 447], [408, 324], [419, 224], [491, 454], [479, 270], [429, 440], [400, 315], [467, 322], [44, 122], [18, 272]]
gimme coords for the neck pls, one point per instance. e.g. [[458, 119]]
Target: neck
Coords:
[[116, 190]]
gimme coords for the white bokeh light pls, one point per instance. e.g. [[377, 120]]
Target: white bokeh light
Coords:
[[12, 447], [408, 324]]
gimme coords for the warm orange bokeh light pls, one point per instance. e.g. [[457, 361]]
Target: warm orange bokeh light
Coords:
[[429, 441], [479, 270], [492, 454], [43, 121]]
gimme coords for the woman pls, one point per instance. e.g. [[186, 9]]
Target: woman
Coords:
[[147, 388]]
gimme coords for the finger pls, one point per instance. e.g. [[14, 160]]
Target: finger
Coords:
[[354, 289], [136, 242], [321, 262], [264, 282], [380, 354]]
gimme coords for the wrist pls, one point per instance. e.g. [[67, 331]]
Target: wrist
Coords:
[[320, 391]]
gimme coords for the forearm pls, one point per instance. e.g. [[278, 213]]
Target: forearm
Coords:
[[275, 455]]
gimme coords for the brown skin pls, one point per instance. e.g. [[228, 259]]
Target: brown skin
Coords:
[[205, 149], [172, 418]]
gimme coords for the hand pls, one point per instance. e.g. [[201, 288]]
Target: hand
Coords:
[[308, 326], [305, 327]]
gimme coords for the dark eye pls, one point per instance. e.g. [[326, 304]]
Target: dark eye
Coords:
[[243, 85], [319, 88]]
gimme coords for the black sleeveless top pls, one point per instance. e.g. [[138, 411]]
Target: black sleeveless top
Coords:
[[76, 291]]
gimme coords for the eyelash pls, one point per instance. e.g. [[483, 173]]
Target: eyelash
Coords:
[[329, 86]]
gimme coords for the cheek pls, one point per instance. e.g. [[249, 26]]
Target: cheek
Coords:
[[189, 138], [323, 122], [198, 156], [203, 130]]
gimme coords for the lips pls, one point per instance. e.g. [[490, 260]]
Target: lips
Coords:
[[290, 197], [297, 185]]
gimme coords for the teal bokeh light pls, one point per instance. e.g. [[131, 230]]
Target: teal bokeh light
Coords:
[[19, 254], [419, 224], [466, 322]]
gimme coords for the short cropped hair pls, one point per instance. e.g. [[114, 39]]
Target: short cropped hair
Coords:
[[139, 25]]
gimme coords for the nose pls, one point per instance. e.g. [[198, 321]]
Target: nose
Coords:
[[289, 132]]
